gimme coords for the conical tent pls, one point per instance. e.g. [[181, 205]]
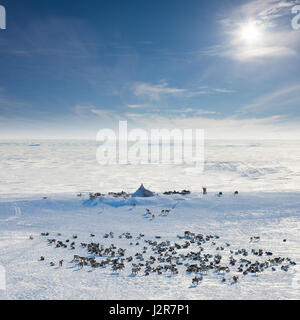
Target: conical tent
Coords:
[[142, 192]]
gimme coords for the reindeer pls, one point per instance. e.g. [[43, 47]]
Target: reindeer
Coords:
[[254, 239], [196, 280], [76, 258], [174, 270], [135, 271], [92, 196]]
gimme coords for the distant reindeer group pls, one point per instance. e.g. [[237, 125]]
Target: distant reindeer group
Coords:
[[219, 194], [183, 192], [125, 195]]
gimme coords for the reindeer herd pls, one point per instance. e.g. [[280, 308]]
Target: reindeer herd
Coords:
[[125, 195], [163, 213], [191, 254]]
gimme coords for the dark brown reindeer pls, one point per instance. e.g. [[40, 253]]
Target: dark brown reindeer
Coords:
[[196, 280]]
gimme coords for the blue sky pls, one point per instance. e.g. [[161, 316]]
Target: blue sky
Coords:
[[70, 68]]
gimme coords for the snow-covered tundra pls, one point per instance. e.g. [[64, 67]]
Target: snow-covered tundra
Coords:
[[267, 209], [227, 224]]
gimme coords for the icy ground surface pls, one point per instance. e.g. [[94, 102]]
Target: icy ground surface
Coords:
[[271, 216], [30, 167]]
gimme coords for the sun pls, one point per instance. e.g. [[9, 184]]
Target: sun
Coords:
[[250, 33]]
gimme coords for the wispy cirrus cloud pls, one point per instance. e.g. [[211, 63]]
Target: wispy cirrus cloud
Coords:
[[222, 90], [272, 127], [136, 106], [274, 38], [241, 53], [81, 110], [103, 113], [230, 127], [87, 111], [154, 91], [260, 11], [246, 54], [205, 90], [267, 9], [195, 112], [278, 99]]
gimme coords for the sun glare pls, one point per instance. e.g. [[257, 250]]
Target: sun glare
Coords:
[[250, 33]]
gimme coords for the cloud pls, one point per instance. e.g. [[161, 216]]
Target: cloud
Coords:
[[231, 127], [272, 127], [223, 90], [273, 39], [136, 106], [207, 91], [194, 111], [135, 116], [191, 94], [154, 92], [266, 10], [245, 54], [108, 115], [228, 128], [86, 111], [202, 112], [276, 99], [242, 53], [82, 110]]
